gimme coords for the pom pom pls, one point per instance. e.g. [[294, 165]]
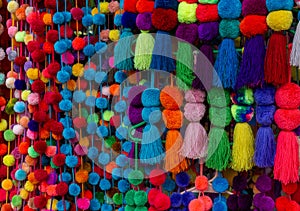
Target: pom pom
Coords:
[[288, 96], [74, 189], [201, 183], [187, 12], [220, 184], [150, 97], [207, 13], [164, 19], [40, 175], [253, 25], [166, 4], [263, 183], [61, 188], [135, 177], [104, 184], [289, 188], [182, 179], [71, 161], [129, 20], [279, 5], [187, 32], [280, 20], [229, 28], [12, 6], [114, 35], [144, 6], [254, 7], [157, 177], [39, 202], [232, 12]]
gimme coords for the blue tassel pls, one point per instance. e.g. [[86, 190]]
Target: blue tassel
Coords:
[[122, 53], [265, 147], [227, 63], [152, 151], [162, 53]]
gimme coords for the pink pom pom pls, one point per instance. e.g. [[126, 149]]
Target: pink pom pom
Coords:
[[50, 151], [33, 99], [83, 203], [111, 62], [104, 34], [195, 96], [12, 31], [8, 23], [194, 112], [105, 91], [80, 150], [68, 58], [31, 135], [113, 6]]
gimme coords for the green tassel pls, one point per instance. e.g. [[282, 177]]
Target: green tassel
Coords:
[[184, 66], [218, 149], [143, 51]]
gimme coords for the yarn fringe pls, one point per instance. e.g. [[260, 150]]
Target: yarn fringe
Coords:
[[143, 51], [295, 54]]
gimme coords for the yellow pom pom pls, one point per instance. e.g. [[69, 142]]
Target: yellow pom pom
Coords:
[[280, 20], [95, 11], [19, 36], [24, 193], [89, 93], [71, 85], [51, 205], [78, 69], [9, 160], [104, 7], [114, 35], [7, 184], [47, 19], [84, 142], [24, 95], [28, 38], [3, 125], [45, 80], [12, 6], [29, 186], [33, 73]]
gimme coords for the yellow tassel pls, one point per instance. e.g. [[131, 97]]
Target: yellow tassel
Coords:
[[243, 147]]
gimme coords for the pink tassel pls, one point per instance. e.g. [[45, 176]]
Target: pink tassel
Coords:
[[287, 158]]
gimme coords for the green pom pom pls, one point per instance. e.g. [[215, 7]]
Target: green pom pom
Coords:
[[118, 198], [129, 208], [141, 209], [129, 197], [93, 118], [9, 109], [84, 113], [220, 117], [218, 97], [9, 135], [16, 201], [135, 177], [140, 198], [32, 153], [19, 36], [229, 28], [100, 197], [107, 115], [109, 141]]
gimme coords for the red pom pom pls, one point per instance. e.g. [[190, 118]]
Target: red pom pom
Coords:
[[115, 121], [79, 122], [52, 98], [164, 19], [48, 48], [152, 209], [83, 84], [32, 17], [3, 149], [2, 195], [54, 126], [38, 86], [20, 60], [59, 159], [157, 177], [253, 25], [78, 43], [50, 4], [40, 116], [152, 195], [43, 106], [130, 6], [281, 203], [27, 208], [40, 202], [289, 188], [162, 202], [197, 204], [32, 46], [292, 206], [288, 96], [38, 56], [69, 31], [76, 13], [207, 12], [201, 183], [53, 68], [38, 26], [40, 147], [12, 193], [62, 189], [145, 6], [40, 175], [52, 36], [88, 194]]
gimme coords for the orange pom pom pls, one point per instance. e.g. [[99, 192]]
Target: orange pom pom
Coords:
[[111, 166], [81, 176], [24, 121], [173, 119], [197, 205], [3, 149], [253, 25], [171, 98], [44, 134], [51, 190], [47, 18], [201, 183], [71, 85], [30, 161], [115, 89], [20, 13], [32, 179], [57, 137], [23, 147], [48, 47], [6, 207]]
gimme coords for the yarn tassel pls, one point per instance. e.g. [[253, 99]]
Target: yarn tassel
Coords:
[[218, 149], [152, 151], [184, 66], [295, 54], [162, 53], [276, 61], [122, 51], [195, 142], [243, 147], [143, 51], [227, 63], [265, 147], [174, 162], [252, 67], [287, 158]]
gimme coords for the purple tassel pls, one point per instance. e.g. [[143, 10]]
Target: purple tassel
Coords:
[[252, 68]]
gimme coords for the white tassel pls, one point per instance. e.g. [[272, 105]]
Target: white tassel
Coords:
[[295, 54]]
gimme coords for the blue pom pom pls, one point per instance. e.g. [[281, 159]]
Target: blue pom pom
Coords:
[[106, 207], [152, 113], [100, 77], [150, 97], [63, 76], [95, 205], [116, 173], [45, 160], [273, 5], [99, 19], [89, 50], [176, 199], [74, 189], [65, 105], [220, 184], [120, 106], [169, 185], [71, 161], [118, 20], [60, 47], [166, 4], [182, 179], [93, 153], [63, 205], [232, 12], [122, 160], [103, 158], [87, 20], [79, 96], [58, 18], [127, 172], [126, 90], [128, 20], [102, 131], [69, 133], [121, 133], [66, 121], [20, 175], [94, 178], [89, 74], [91, 128], [86, 10], [66, 94], [19, 107], [187, 197], [65, 177], [121, 209], [126, 146], [66, 149], [20, 84], [104, 184], [123, 185], [68, 43], [100, 47], [101, 103], [67, 16], [220, 204], [120, 76], [68, 69], [33, 125], [90, 101], [126, 121]]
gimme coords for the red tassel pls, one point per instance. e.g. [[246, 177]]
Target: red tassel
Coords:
[[276, 60]]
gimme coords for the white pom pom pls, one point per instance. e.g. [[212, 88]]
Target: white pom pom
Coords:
[[12, 6], [18, 129], [10, 83], [2, 54], [17, 94], [28, 10]]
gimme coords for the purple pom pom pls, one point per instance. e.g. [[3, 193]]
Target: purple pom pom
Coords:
[[135, 95], [208, 31], [135, 114], [232, 202], [144, 22], [239, 183], [244, 202], [187, 32], [264, 183]]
